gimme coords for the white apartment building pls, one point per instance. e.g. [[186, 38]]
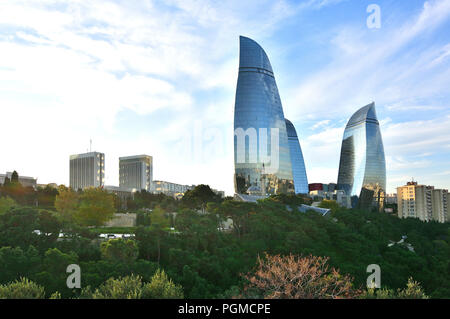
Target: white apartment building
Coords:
[[87, 170], [136, 172]]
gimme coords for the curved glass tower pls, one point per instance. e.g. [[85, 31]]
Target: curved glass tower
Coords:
[[261, 150], [362, 168], [298, 164]]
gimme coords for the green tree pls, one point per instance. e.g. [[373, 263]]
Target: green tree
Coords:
[[14, 177], [15, 262], [132, 287], [46, 196], [143, 218], [6, 203], [48, 225], [22, 195], [22, 289], [413, 290], [330, 204], [96, 207], [119, 250], [66, 204], [239, 212], [159, 223], [53, 275], [199, 197], [17, 227], [7, 182], [161, 287], [129, 287]]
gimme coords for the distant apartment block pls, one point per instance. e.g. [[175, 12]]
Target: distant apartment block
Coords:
[[136, 172], [51, 185], [25, 181], [87, 170], [217, 192], [170, 189], [440, 205], [423, 202], [339, 196], [391, 199], [331, 187]]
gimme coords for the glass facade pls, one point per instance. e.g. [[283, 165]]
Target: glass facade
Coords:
[[261, 150], [362, 167], [298, 164]]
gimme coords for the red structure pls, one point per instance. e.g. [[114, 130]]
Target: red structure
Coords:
[[315, 187]]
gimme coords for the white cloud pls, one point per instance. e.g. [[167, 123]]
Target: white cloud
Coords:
[[68, 70], [320, 124], [416, 137], [367, 66]]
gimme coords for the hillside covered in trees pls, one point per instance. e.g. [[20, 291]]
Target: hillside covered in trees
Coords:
[[200, 260]]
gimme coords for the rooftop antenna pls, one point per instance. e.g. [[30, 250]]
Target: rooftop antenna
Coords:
[[90, 145]]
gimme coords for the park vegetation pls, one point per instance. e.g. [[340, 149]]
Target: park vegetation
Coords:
[[180, 249]]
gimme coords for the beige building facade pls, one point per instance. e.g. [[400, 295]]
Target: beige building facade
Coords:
[[423, 202]]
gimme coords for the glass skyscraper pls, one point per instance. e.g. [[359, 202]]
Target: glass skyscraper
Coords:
[[298, 164], [362, 167], [261, 147]]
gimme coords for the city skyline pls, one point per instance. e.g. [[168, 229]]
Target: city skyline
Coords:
[[136, 87]]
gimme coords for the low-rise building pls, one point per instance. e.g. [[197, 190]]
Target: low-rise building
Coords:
[[51, 185], [124, 194], [391, 198], [339, 196], [170, 189], [217, 192], [25, 181]]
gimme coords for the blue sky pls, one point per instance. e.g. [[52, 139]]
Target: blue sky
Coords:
[[159, 78]]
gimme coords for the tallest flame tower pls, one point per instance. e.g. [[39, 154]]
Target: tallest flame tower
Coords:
[[261, 149]]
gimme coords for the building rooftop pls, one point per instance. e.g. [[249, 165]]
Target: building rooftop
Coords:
[[323, 211], [366, 113], [252, 55], [134, 157], [82, 155], [248, 198]]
